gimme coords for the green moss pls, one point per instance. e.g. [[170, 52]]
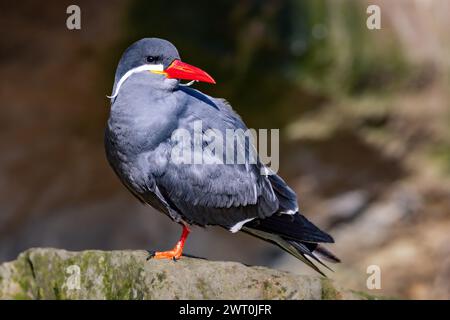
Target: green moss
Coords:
[[367, 296], [24, 277], [49, 272], [21, 296], [202, 286], [274, 290], [42, 274], [266, 285], [161, 276], [364, 295], [439, 153], [329, 292], [122, 281], [57, 293]]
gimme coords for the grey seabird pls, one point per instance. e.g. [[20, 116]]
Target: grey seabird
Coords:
[[149, 104]]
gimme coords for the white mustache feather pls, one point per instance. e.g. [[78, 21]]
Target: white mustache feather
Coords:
[[129, 73]]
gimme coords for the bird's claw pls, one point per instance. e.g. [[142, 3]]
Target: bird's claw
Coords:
[[151, 254]]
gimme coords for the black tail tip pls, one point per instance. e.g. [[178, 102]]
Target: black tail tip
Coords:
[[323, 253]]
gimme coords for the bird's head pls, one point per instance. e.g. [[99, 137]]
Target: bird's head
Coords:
[[159, 59]]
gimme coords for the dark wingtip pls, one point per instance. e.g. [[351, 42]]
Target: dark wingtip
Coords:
[[326, 254], [330, 238]]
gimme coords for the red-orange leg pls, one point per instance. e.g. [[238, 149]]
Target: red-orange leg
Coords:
[[176, 252]]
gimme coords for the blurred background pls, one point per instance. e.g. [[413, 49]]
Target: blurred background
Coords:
[[364, 118]]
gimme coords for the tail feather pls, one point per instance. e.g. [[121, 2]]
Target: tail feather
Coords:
[[308, 253], [325, 254], [295, 227], [283, 244], [321, 252], [295, 235]]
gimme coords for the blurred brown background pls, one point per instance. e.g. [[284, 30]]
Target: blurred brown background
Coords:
[[364, 118]]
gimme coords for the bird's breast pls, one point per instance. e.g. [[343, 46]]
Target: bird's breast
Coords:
[[135, 166], [138, 148], [139, 130]]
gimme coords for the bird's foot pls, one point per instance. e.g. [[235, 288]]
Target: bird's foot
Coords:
[[173, 254]]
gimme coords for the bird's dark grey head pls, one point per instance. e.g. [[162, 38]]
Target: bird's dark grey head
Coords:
[[147, 51], [160, 60]]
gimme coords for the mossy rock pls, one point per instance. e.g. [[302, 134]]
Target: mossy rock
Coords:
[[59, 274]]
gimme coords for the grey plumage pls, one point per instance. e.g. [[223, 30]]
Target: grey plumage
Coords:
[[139, 142]]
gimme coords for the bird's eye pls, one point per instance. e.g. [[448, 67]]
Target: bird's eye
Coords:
[[151, 59]]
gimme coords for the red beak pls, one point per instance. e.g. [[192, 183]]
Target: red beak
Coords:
[[184, 71]]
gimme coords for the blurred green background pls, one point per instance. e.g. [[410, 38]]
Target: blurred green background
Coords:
[[364, 118]]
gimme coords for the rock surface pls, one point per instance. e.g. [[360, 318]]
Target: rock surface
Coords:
[[59, 274]]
